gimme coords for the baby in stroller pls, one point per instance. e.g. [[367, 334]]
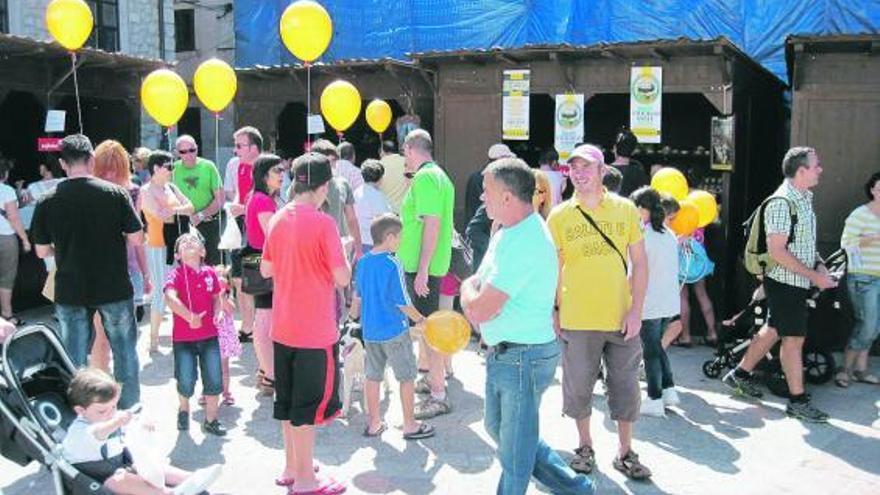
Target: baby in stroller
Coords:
[[94, 443]]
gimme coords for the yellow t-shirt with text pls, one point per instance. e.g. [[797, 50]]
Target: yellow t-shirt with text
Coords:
[[595, 289]]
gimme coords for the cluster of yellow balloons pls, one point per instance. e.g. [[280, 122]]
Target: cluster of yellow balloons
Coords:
[[165, 96], [697, 208], [341, 105], [70, 22], [447, 332]]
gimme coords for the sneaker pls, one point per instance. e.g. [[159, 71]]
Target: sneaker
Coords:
[[431, 407], [805, 412], [182, 420], [423, 386], [214, 428], [198, 481], [653, 407], [742, 386], [670, 397]]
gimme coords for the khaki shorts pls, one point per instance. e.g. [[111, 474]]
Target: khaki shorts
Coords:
[[582, 353]]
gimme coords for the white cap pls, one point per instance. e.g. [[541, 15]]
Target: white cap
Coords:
[[500, 150]]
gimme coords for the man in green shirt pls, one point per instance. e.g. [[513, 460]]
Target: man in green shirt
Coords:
[[426, 249], [199, 180]]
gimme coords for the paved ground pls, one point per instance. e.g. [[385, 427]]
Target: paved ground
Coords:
[[712, 443]]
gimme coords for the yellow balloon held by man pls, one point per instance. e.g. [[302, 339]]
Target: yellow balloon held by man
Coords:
[[215, 84], [70, 22], [306, 29], [340, 104], [164, 96], [378, 115], [447, 332], [670, 181], [706, 205]]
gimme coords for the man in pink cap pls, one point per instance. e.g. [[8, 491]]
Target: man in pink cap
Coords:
[[598, 315]]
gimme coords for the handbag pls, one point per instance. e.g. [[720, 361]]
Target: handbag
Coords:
[[252, 281], [231, 237], [462, 261], [693, 262], [606, 239]]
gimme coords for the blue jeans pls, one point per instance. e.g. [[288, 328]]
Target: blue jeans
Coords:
[[658, 373], [78, 334], [515, 381], [864, 292], [191, 358]]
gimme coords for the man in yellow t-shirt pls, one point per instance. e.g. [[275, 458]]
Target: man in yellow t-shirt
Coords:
[[394, 183], [598, 238]]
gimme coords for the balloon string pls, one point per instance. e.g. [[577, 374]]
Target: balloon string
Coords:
[[217, 158], [76, 92], [308, 105]]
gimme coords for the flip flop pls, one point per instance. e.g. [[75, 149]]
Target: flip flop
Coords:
[[425, 431], [328, 486], [382, 428], [284, 481]]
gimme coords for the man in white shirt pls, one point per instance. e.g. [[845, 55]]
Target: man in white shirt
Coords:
[[548, 164], [345, 165]]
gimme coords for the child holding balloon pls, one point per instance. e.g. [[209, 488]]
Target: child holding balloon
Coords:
[[382, 298]]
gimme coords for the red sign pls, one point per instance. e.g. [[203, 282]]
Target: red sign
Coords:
[[48, 144]]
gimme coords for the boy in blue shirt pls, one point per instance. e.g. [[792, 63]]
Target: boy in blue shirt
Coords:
[[382, 298]]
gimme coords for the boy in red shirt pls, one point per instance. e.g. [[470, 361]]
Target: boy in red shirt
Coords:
[[304, 256]]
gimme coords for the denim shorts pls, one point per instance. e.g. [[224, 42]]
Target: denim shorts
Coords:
[[398, 352], [864, 292], [193, 358]]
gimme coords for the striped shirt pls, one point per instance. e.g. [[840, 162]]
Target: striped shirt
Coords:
[[864, 257], [777, 220]]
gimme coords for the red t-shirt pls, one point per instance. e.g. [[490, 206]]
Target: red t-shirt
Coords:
[[196, 290], [259, 203], [245, 181], [303, 246]]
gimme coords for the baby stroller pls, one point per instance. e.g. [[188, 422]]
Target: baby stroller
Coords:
[[828, 322], [35, 372]]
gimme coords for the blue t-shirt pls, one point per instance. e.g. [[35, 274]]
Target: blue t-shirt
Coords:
[[381, 287], [521, 262]]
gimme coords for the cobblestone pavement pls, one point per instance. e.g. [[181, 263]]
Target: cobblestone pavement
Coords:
[[712, 443]]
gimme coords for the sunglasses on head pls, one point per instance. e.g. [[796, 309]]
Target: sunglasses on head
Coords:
[[167, 166], [187, 151]]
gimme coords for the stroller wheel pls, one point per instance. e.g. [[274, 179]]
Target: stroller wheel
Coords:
[[712, 369], [818, 366], [775, 381]]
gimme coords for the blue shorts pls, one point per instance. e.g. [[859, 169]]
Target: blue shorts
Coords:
[[192, 358]]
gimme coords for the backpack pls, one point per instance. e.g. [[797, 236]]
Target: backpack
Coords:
[[462, 262], [756, 257]]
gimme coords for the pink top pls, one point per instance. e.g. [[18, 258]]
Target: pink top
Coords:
[[196, 290], [303, 246], [449, 285], [259, 203], [245, 181]]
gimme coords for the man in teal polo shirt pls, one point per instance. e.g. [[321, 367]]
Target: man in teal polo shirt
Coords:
[[426, 249], [199, 180]]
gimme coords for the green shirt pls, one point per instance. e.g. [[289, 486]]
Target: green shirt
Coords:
[[197, 183], [430, 194]]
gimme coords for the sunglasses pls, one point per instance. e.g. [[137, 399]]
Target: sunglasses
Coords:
[[167, 166], [186, 152]]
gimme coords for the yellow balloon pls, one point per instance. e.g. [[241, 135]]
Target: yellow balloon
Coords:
[[378, 115], [165, 96], [686, 220], [215, 84], [340, 104], [706, 205], [670, 181], [447, 331], [70, 22], [306, 29]]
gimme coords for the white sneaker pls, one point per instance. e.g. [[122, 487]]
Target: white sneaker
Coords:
[[198, 481], [670, 397], [653, 407]]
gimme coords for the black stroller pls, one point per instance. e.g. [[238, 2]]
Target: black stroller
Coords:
[[828, 323], [35, 372]]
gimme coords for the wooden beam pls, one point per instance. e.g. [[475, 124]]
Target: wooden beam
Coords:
[[611, 54], [657, 53], [508, 59]]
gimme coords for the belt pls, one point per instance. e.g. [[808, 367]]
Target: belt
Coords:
[[502, 347]]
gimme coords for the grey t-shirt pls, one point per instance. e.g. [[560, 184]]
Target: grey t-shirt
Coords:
[[338, 196]]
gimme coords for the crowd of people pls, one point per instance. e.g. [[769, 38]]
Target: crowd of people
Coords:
[[578, 268]]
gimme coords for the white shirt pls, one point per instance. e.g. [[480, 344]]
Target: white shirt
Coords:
[[230, 181], [369, 203], [662, 296], [352, 174], [557, 184], [81, 445], [7, 195]]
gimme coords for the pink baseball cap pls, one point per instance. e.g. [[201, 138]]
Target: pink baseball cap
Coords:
[[589, 153]]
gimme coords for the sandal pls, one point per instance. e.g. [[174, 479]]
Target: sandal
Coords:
[[328, 486], [378, 432], [681, 343], [266, 385], [584, 460], [425, 431], [14, 320], [285, 481], [841, 378], [202, 400], [228, 399], [866, 377], [631, 467]]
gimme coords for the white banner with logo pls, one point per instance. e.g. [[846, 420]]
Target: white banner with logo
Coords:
[[515, 105], [645, 97], [569, 124]]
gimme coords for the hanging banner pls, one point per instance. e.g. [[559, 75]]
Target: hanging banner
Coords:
[[569, 125], [722, 143], [645, 96], [515, 105]]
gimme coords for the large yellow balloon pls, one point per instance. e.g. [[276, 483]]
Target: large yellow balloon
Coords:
[[165, 96], [340, 104], [447, 331], [706, 205], [686, 220], [306, 29], [70, 22], [378, 115], [215, 84], [670, 181]]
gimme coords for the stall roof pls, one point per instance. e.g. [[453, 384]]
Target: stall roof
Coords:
[[843, 43], [13, 46], [358, 63]]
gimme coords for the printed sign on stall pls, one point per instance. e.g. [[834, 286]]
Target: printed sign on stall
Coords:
[[645, 98], [723, 143], [569, 124], [515, 105]]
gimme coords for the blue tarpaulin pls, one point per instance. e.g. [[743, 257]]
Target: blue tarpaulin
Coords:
[[374, 29]]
